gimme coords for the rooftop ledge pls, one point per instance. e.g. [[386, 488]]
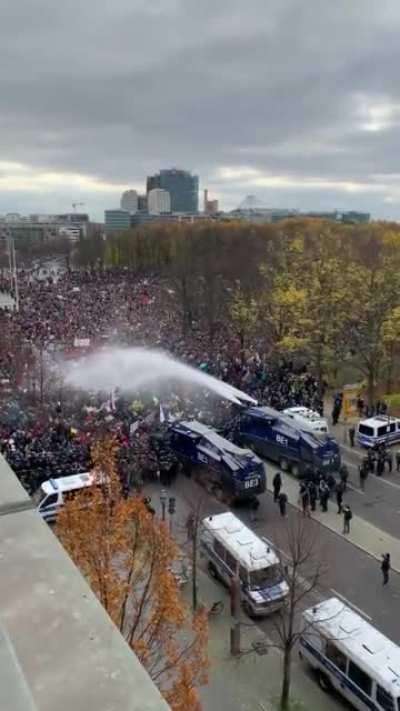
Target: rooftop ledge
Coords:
[[58, 647]]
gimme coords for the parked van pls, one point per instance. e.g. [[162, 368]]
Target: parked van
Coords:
[[351, 656], [377, 430], [233, 549], [307, 420], [52, 494]]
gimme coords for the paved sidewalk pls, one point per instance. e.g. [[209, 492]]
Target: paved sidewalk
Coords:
[[364, 535], [252, 681]]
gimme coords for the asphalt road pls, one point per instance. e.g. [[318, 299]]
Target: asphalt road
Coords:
[[380, 502], [348, 571]]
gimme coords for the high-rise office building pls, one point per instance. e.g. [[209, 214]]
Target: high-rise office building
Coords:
[[158, 201], [182, 186], [129, 201]]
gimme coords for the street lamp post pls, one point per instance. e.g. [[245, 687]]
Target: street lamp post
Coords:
[[163, 499], [171, 510]]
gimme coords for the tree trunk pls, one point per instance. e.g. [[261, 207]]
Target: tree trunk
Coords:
[[284, 702], [371, 386], [194, 567], [389, 378]]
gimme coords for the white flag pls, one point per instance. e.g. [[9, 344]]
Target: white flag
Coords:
[[162, 416]]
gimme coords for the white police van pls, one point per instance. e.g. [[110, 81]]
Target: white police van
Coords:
[[351, 656], [53, 493], [233, 550], [381, 429], [307, 420]]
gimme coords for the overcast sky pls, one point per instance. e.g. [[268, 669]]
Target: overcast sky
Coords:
[[296, 102]]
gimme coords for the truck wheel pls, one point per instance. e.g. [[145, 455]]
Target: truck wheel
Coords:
[[324, 682], [247, 609], [284, 465]]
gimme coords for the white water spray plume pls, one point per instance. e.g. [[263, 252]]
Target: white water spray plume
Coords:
[[137, 368]]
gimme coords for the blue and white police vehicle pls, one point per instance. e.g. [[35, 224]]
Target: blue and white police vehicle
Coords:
[[273, 435], [53, 493], [381, 429], [233, 550], [306, 419], [227, 470], [351, 656]]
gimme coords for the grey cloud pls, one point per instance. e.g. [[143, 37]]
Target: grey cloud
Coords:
[[118, 89]]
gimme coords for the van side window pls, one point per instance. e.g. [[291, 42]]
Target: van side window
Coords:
[[51, 499], [336, 656], [385, 699], [231, 562], [219, 548], [360, 678], [393, 427]]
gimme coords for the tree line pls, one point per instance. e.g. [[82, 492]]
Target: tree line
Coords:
[[308, 289]]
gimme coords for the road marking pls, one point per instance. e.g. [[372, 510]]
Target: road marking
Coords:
[[350, 604], [352, 450]]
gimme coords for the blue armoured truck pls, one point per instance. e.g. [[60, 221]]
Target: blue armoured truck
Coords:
[[225, 469], [274, 436]]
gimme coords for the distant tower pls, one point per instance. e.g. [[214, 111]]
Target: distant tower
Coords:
[[158, 201], [129, 201], [210, 206]]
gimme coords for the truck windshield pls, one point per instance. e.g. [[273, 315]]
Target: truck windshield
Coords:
[[265, 577]]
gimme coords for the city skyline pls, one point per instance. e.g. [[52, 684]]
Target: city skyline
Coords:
[[296, 104]]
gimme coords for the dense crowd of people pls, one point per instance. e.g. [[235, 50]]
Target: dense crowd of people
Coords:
[[65, 315]]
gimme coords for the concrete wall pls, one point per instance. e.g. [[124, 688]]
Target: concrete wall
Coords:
[[59, 649]]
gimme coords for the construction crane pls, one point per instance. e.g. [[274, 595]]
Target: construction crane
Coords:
[[77, 204]]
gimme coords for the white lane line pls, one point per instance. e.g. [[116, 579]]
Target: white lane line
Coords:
[[351, 450], [351, 604], [389, 483]]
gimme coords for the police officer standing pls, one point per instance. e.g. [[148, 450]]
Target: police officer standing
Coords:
[[313, 494], [277, 485], [352, 434], [347, 516], [324, 495], [282, 501], [385, 568], [389, 460], [339, 497]]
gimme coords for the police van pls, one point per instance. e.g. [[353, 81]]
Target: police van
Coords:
[[307, 419], [381, 429], [231, 550], [351, 656], [53, 493]]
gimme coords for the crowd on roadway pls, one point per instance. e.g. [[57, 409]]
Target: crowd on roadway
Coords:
[[71, 313]]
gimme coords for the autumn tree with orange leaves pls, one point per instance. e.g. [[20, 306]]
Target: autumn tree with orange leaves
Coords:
[[126, 554]]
